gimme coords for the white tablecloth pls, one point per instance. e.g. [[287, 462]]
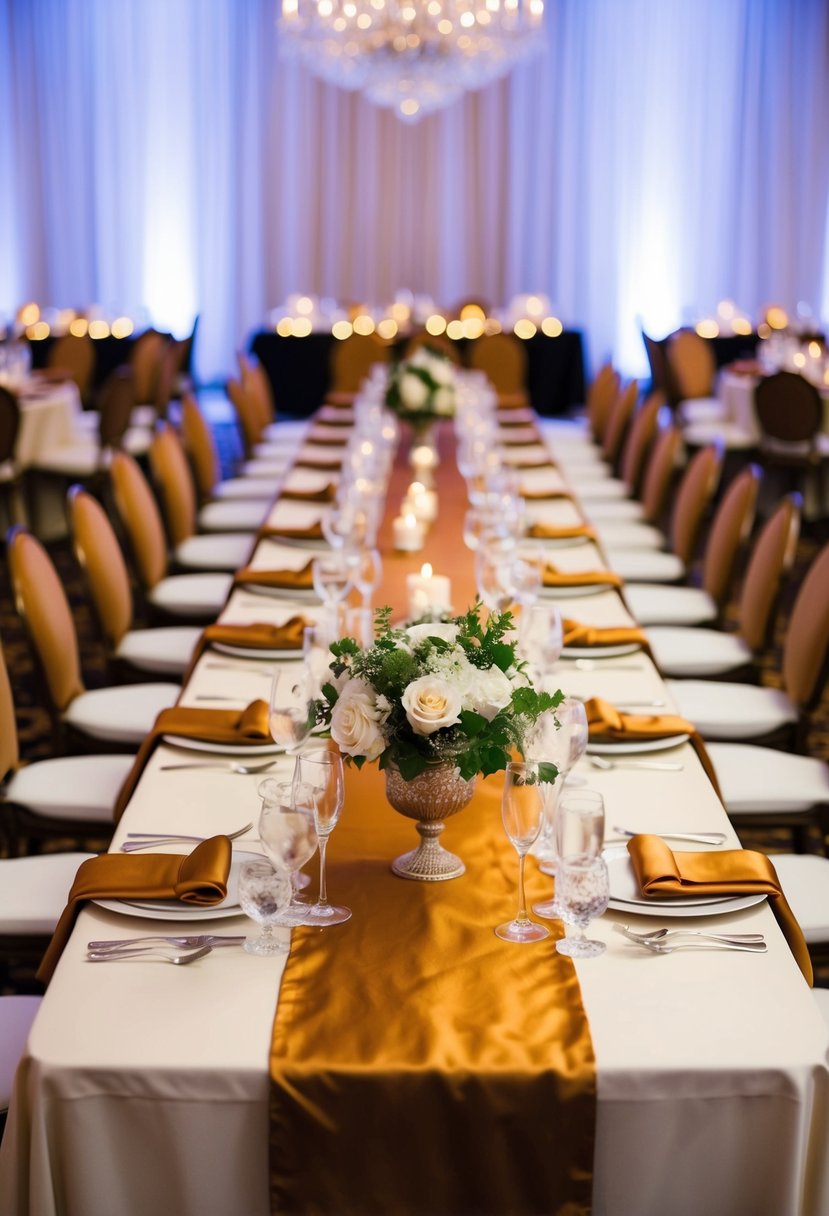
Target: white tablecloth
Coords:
[[47, 414]]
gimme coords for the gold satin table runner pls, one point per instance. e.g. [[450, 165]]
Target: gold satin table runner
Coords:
[[419, 1064], [660, 872]]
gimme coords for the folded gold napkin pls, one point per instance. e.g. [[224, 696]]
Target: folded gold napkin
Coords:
[[512, 401], [199, 879], [256, 636], [605, 723], [576, 634], [340, 401], [660, 872], [544, 495], [510, 441], [539, 531], [325, 438], [240, 728], [541, 462], [326, 494], [302, 579], [339, 418], [312, 532], [313, 462], [552, 577]]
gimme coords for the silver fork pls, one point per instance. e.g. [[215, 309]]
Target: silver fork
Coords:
[[147, 840], [245, 769], [180, 959], [241, 668], [660, 935], [709, 944], [189, 942]]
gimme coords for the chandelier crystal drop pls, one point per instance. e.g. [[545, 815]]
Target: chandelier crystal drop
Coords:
[[413, 56]]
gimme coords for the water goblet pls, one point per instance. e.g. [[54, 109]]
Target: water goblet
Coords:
[[522, 808], [525, 578], [582, 893], [366, 573], [580, 824], [264, 896], [291, 714], [540, 639], [289, 837], [318, 784], [331, 573], [494, 562]]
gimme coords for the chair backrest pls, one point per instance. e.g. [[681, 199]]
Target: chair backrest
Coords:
[[9, 745], [247, 415], [731, 525], [9, 423], [806, 648], [619, 421], [145, 360], [788, 408], [772, 557], [256, 383], [140, 519], [115, 406], [503, 359], [200, 446], [660, 472], [174, 480], [601, 395], [76, 357], [696, 489], [99, 555], [47, 617], [351, 360], [692, 363], [423, 338], [168, 371], [640, 436]]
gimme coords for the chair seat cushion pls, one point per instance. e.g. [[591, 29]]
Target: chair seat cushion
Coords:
[[686, 651], [165, 650], [70, 787], [652, 604], [640, 565], [233, 516], [731, 436], [16, 1016], [33, 891], [197, 596], [120, 715], [732, 711], [763, 780], [222, 551], [805, 881], [626, 534]]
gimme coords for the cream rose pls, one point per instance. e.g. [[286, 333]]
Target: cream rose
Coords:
[[444, 401], [355, 721], [431, 704], [437, 629], [490, 691], [413, 392]]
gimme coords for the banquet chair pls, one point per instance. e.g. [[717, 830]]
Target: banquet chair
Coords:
[[789, 411], [693, 368], [33, 892], [165, 650], [580, 438], [805, 883], [74, 358], [200, 445], [257, 384], [350, 362], [778, 717], [221, 550], [663, 604], [662, 377], [190, 597], [503, 360], [268, 460], [618, 423], [117, 716], [55, 798], [146, 358], [11, 476], [17, 1013], [689, 651], [87, 455]]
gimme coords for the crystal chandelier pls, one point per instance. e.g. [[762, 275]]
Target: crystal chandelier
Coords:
[[414, 56]]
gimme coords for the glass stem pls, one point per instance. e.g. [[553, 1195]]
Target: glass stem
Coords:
[[522, 917], [323, 895]]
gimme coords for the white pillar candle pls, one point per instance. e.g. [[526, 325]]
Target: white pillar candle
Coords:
[[408, 533], [423, 503], [429, 594]]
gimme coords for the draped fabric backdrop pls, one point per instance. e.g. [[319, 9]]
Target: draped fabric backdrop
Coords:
[[659, 157]]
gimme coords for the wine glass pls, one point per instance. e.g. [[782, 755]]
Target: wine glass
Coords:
[[358, 623], [540, 639], [583, 893], [319, 785], [525, 579], [560, 736], [494, 561], [264, 896], [578, 831], [316, 655], [288, 835], [522, 806], [331, 573], [291, 705], [366, 573]]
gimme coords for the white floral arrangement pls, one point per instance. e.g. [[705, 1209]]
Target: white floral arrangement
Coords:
[[422, 388], [432, 692]]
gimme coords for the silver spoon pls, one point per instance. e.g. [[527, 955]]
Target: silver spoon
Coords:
[[695, 837], [659, 935], [749, 947], [662, 766], [245, 769], [180, 960]]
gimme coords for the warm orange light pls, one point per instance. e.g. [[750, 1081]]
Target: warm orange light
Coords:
[[776, 317], [38, 331], [552, 327], [98, 329], [364, 324], [122, 327], [454, 330], [707, 328], [524, 329], [436, 324], [28, 314], [342, 330], [285, 327], [79, 327], [387, 329], [302, 327]]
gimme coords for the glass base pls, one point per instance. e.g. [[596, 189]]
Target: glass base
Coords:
[[549, 910], [522, 931], [265, 946], [548, 866], [325, 914], [580, 947]]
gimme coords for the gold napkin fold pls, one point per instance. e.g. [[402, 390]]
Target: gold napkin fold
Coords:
[[529, 463], [660, 872], [340, 400], [545, 495], [199, 879], [302, 579], [539, 531], [607, 724], [342, 419], [239, 728], [326, 439], [551, 577], [510, 441], [312, 532], [313, 462], [576, 634], [256, 636], [326, 494]]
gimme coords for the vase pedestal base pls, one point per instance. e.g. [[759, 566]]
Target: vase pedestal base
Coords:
[[429, 862]]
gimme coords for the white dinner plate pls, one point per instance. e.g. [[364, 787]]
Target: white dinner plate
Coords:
[[557, 542], [636, 745], [255, 652], [283, 593], [573, 593], [625, 895], [224, 749], [174, 909], [600, 652]]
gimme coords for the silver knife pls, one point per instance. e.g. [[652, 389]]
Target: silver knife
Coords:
[[189, 940]]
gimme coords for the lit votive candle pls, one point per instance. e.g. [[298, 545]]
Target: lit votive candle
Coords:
[[408, 533], [423, 460], [429, 594], [421, 502]]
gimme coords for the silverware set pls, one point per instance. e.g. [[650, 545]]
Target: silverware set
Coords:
[[713, 838], [152, 840], [173, 949], [666, 941]]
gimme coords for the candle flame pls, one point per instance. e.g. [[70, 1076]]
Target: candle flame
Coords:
[[411, 519], [426, 570]]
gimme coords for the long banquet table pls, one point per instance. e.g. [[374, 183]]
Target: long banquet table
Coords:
[[145, 1087]]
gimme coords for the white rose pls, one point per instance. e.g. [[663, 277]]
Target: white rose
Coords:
[[413, 392], [441, 371], [430, 704], [438, 629], [490, 691], [355, 721]]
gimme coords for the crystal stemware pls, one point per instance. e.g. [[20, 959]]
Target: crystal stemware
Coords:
[[560, 737], [318, 784], [264, 896], [288, 835], [578, 831], [494, 562], [522, 806], [367, 573], [582, 893], [540, 640], [291, 706]]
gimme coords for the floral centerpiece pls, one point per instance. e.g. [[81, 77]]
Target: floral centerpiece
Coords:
[[436, 704], [422, 389]]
